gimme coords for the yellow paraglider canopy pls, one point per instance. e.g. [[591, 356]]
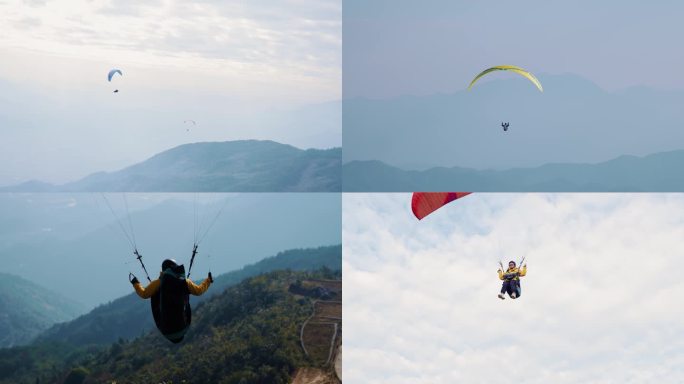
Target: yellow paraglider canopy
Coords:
[[511, 68]]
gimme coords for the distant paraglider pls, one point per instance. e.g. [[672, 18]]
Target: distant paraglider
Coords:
[[188, 123], [111, 74], [514, 69]]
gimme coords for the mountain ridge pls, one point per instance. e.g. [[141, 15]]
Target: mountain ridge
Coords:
[[572, 121], [28, 309], [229, 166], [614, 175]]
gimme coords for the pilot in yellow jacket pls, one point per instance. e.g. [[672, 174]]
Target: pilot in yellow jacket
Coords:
[[511, 280], [170, 299], [153, 287]]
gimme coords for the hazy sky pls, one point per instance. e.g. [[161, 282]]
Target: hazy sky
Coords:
[[600, 302], [241, 70], [406, 47]]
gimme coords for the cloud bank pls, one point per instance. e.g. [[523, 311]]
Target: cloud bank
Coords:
[[599, 304]]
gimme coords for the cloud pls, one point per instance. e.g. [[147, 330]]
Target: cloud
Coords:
[[293, 39], [598, 305], [35, 3]]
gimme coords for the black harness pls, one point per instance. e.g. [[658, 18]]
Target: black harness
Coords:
[[171, 304]]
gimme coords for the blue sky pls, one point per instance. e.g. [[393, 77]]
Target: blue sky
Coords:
[[256, 70], [402, 47], [598, 304]]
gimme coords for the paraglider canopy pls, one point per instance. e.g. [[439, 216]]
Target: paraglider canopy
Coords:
[[511, 68], [424, 203], [112, 73]]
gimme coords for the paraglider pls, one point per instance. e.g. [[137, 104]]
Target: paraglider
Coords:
[[512, 68], [193, 122], [511, 279], [424, 203], [170, 295], [111, 74]]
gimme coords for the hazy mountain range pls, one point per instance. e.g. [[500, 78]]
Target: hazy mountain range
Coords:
[[232, 166], [28, 309], [74, 245], [573, 136], [654, 173]]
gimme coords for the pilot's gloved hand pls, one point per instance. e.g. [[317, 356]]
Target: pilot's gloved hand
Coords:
[[211, 279], [133, 280]]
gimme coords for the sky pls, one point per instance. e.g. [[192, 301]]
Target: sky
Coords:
[[600, 302], [394, 48], [241, 70]]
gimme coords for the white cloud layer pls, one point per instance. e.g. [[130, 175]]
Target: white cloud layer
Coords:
[[600, 304], [267, 70], [283, 43]]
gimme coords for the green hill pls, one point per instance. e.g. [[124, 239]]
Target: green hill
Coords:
[[28, 309], [129, 316], [247, 334], [658, 172]]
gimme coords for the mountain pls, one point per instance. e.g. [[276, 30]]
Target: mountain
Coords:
[[249, 333], [129, 316], [572, 122], [28, 309], [653, 173], [232, 166]]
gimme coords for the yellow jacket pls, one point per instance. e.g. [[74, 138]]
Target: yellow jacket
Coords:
[[153, 287], [520, 271]]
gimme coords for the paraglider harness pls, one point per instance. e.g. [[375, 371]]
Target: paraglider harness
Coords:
[[171, 304], [505, 126], [171, 315], [513, 277]]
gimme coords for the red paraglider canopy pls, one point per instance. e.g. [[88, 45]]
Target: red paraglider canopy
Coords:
[[424, 203]]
